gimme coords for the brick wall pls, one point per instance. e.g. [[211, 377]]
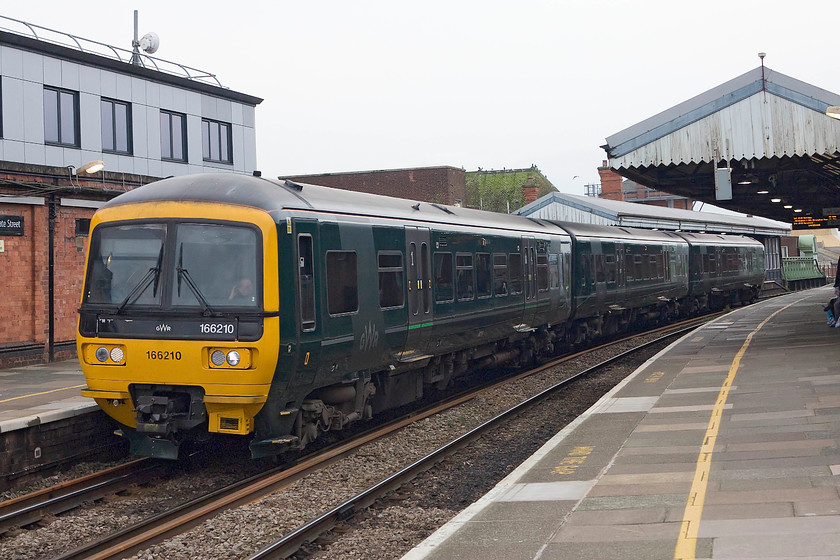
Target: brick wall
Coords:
[[442, 185], [24, 263]]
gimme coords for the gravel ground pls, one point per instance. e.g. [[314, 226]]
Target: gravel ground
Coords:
[[386, 531]]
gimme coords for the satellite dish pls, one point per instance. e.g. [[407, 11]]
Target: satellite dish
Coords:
[[150, 42]]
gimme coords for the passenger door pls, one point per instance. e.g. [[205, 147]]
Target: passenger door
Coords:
[[529, 269], [419, 272], [309, 329]]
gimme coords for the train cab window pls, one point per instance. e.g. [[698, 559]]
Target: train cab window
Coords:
[[342, 282], [391, 291], [515, 273], [444, 284], [542, 272], [483, 286], [464, 277], [500, 272], [216, 266], [125, 264], [307, 283]]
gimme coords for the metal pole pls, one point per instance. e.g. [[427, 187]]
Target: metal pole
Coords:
[[52, 213]]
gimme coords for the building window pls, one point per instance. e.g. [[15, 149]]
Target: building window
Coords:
[[173, 136], [82, 227], [216, 141], [116, 126], [61, 117]]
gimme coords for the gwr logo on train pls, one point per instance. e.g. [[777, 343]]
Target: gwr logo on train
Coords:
[[369, 338]]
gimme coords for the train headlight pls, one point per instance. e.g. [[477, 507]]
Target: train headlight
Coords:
[[107, 355], [117, 354], [233, 358], [102, 354], [217, 358]]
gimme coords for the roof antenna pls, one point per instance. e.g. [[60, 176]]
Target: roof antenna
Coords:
[[149, 43]]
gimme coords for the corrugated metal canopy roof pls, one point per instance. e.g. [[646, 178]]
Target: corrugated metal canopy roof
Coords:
[[770, 129], [649, 216]]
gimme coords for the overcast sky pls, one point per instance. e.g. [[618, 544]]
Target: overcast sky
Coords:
[[386, 84]]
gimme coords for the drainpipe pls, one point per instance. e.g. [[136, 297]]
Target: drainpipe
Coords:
[[52, 211]]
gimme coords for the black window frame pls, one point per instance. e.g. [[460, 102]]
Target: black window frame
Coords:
[[443, 287], [346, 302], [168, 155], [208, 142], [500, 274], [465, 269], [59, 126], [129, 129], [483, 275], [391, 274]]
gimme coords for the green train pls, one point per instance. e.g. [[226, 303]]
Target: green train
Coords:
[[229, 304]]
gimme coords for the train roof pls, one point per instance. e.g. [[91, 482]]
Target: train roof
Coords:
[[579, 230], [719, 239], [275, 196]]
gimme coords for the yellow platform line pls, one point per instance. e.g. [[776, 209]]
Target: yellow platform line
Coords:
[[687, 539], [42, 393]]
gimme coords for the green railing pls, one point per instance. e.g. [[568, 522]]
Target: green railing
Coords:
[[800, 268]]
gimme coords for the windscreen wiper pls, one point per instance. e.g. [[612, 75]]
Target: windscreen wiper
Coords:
[[151, 277], [207, 311]]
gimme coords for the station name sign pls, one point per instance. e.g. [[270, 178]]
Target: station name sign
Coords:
[[11, 225]]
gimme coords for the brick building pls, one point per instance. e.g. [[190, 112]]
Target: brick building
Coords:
[[615, 187], [440, 185], [64, 104]]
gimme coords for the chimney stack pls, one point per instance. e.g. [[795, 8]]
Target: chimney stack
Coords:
[[610, 183]]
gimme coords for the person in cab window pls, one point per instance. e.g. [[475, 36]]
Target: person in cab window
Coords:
[[242, 291]]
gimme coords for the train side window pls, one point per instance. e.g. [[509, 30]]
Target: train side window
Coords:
[[464, 276], [542, 272], [500, 272], [515, 273], [483, 285], [444, 285], [656, 266], [391, 291], [307, 283], [629, 270], [610, 268], [342, 282], [554, 270], [599, 269], [638, 270]]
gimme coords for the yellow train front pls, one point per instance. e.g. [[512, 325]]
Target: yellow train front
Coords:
[[176, 311]]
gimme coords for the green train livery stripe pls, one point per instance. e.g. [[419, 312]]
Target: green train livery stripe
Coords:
[[419, 326]]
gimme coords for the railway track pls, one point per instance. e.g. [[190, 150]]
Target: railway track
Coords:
[[161, 527], [33, 507]]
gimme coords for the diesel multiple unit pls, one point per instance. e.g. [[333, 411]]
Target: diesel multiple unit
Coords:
[[239, 305]]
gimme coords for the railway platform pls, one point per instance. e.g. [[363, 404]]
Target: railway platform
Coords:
[[726, 445], [44, 421], [41, 393]]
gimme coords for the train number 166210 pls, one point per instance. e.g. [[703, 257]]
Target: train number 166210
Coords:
[[163, 355], [216, 328]]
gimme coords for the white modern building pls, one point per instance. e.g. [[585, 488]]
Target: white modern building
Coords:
[[68, 100]]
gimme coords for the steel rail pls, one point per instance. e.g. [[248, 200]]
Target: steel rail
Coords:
[[292, 542], [33, 507], [182, 518]]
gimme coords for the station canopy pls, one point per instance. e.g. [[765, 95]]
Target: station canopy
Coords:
[[759, 144]]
